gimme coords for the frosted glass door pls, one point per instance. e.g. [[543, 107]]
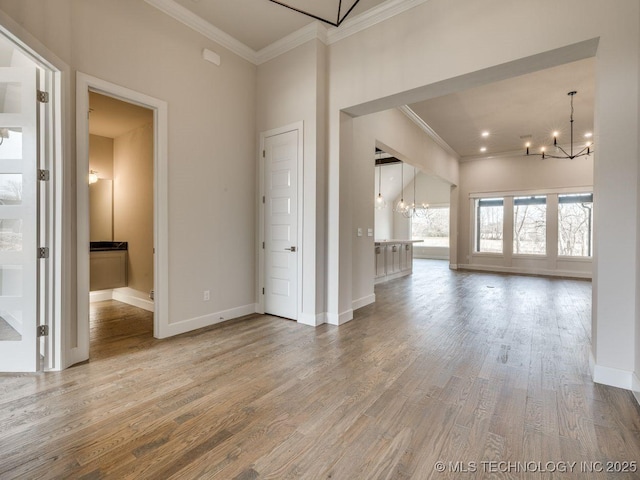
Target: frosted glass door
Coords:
[[18, 220]]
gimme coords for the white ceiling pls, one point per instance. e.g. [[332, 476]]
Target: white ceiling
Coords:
[[259, 23], [111, 118], [535, 104]]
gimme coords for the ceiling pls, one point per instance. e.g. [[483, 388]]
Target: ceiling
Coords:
[[522, 109], [259, 23], [535, 104], [111, 118]]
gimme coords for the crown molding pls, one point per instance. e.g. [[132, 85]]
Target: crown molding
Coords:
[[413, 116], [193, 21], [312, 31], [371, 17]]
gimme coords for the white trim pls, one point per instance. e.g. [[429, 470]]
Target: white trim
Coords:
[[312, 31], [635, 387], [312, 320], [197, 23], [133, 297], [363, 302], [392, 276], [299, 127], [526, 193], [371, 17], [526, 271], [431, 256], [453, 266], [613, 377], [195, 323], [125, 295], [100, 296], [84, 83], [341, 319], [413, 116]]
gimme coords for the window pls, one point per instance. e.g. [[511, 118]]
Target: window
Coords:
[[433, 229], [530, 225], [489, 225], [575, 220]]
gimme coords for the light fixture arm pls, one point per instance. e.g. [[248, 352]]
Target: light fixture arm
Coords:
[[570, 155]]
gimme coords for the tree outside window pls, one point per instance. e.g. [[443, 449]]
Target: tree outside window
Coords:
[[433, 228], [575, 220], [489, 225], [530, 225]]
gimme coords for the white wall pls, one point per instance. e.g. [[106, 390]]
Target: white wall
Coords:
[[211, 139], [397, 135], [453, 36], [519, 173]]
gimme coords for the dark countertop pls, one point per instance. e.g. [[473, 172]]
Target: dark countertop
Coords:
[[107, 246]]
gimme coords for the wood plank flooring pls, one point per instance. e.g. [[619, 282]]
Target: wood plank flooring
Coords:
[[446, 366]]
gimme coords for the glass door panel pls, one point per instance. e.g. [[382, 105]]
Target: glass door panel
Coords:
[[18, 220]]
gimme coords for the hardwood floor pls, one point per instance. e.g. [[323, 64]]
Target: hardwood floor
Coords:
[[445, 366]]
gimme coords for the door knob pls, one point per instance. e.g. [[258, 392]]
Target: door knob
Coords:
[[292, 249]]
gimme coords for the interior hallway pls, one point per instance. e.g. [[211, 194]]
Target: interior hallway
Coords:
[[445, 365]]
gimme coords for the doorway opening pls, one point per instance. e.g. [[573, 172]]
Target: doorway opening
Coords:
[[121, 229], [138, 292]]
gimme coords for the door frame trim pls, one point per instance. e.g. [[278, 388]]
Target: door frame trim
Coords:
[[260, 280], [84, 84]]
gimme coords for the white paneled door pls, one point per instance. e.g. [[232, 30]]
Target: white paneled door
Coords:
[[281, 224], [18, 220]]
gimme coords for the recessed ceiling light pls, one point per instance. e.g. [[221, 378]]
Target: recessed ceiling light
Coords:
[[485, 134], [555, 134], [483, 149], [588, 135]]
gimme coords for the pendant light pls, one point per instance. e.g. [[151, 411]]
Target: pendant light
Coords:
[[381, 203], [411, 210], [586, 151], [401, 207]]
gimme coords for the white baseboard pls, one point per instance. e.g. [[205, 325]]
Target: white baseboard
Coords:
[[340, 319], [635, 381], [431, 256], [191, 324], [125, 295], [525, 271], [613, 377], [392, 276], [312, 320], [133, 297], [363, 302], [453, 266], [100, 296]]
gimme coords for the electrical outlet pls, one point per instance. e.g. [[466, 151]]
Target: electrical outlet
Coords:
[[206, 295]]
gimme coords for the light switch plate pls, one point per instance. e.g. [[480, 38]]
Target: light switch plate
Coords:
[[369, 232], [359, 232]]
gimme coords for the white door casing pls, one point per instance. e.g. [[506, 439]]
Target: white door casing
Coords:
[[19, 219], [281, 248]]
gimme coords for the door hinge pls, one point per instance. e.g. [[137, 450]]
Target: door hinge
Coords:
[[43, 97], [263, 245], [43, 252], [42, 330], [264, 153], [264, 199], [263, 290], [44, 175]]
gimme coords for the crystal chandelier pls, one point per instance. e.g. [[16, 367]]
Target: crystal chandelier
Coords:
[[587, 150]]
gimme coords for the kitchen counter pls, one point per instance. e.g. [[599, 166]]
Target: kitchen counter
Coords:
[[393, 259]]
